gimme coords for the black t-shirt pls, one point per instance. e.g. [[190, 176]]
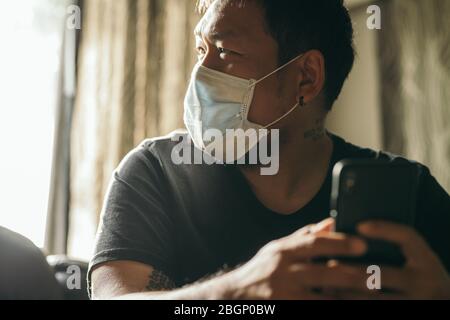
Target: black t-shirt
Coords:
[[190, 221]]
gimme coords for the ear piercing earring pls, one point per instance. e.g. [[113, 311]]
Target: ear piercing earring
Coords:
[[302, 101]]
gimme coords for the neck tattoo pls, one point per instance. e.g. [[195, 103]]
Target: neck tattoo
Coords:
[[316, 133]]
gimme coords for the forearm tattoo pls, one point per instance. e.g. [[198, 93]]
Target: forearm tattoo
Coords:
[[158, 281]]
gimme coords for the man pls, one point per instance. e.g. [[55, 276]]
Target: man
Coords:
[[188, 231]]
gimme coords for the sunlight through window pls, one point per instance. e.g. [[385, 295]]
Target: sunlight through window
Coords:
[[31, 33]]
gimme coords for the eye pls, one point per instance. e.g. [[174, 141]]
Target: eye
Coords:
[[201, 51], [226, 52]]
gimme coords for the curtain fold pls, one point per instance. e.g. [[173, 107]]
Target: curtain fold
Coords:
[[135, 60], [59, 195], [415, 69]]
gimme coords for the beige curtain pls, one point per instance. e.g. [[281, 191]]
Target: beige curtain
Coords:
[[415, 60], [135, 60]]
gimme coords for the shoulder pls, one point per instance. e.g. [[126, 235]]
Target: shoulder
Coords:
[[430, 191], [160, 146], [347, 150], [429, 186], [154, 152]]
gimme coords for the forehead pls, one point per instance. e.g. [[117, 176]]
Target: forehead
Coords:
[[233, 19]]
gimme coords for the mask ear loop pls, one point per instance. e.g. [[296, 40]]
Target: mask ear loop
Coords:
[[301, 103], [279, 119], [254, 83]]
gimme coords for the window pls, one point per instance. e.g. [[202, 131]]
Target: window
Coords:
[[31, 36]]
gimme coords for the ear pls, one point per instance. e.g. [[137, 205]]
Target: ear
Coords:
[[311, 79]]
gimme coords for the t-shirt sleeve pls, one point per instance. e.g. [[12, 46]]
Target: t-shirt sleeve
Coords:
[[135, 223], [433, 216]]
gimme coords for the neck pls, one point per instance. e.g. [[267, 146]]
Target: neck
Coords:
[[304, 161], [304, 154]]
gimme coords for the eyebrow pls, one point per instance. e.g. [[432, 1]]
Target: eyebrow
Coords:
[[218, 35]]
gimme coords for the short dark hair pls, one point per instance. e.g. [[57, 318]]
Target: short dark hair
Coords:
[[302, 25]]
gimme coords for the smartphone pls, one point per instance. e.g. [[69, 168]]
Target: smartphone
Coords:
[[364, 190]]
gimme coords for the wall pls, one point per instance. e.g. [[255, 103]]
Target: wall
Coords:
[[357, 114]]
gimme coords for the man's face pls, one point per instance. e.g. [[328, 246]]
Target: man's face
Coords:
[[231, 38]]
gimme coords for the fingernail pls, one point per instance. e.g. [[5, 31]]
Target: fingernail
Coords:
[[322, 225], [326, 222]]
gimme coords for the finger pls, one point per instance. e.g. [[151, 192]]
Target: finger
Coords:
[[392, 279], [331, 245], [395, 279], [412, 245], [350, 282], [392, 297], [376, 295], [331, 278], [310, 295], [356, 295], [324, 226]]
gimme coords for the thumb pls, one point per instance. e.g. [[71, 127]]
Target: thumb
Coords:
[[326, 226]]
